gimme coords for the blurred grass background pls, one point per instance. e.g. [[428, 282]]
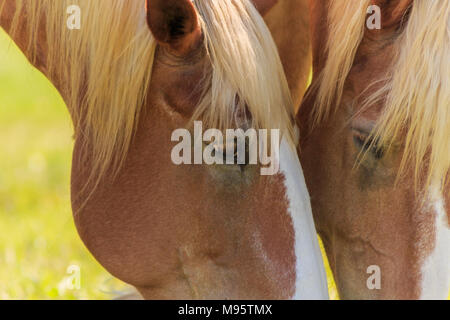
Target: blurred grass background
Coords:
[[38, 240]]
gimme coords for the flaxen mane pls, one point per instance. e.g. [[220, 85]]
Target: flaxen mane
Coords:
[[416, 91], [105, 68]]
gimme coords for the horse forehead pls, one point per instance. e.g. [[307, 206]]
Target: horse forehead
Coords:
[[291, 169], [446, 206]]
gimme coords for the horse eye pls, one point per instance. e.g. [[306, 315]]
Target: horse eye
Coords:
[[366, 144]]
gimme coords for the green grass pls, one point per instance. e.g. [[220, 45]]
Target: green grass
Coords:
[[38, 240]]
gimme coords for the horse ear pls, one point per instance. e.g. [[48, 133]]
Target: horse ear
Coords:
[[392, 11], [174, 24], [264, 6]]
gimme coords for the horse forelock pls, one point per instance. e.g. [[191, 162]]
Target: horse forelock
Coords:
[[416, 90], [246, 69], [102, 70]]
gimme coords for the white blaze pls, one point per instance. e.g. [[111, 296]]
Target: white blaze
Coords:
[[311, 280], [436, 269]]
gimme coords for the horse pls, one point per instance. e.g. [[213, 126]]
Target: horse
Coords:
[[130, 78], [375, 122]]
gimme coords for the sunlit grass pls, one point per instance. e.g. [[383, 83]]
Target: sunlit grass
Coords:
[[38, 240]]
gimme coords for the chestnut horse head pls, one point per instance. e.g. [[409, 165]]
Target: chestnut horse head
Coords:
[[179, 231], [377, 158]]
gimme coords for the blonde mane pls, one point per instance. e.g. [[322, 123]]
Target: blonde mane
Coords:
[[104, 69], [246, 64], [416, 90]]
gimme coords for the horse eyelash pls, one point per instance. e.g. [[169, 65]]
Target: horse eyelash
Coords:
[[367, 144]]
